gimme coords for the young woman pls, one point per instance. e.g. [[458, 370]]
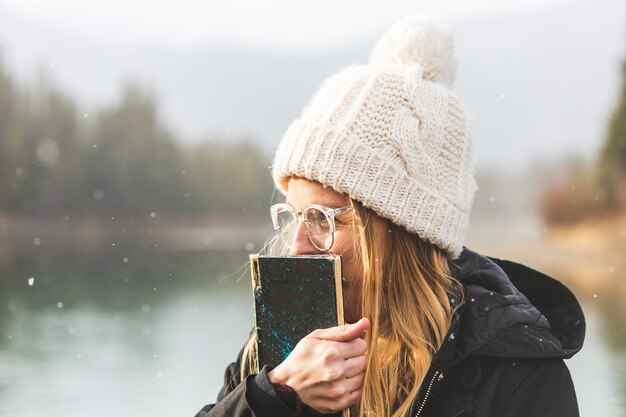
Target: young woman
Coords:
[[378, 169]]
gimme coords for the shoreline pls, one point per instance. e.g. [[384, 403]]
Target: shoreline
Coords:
[[589, 257], [24, 235]]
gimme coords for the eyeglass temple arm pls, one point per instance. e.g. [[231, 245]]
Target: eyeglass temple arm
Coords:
[[341, 210]]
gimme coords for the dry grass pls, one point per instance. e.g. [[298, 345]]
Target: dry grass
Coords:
[[590, 257]]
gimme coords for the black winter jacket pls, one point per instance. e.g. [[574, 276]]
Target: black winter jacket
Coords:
[[502, 357]]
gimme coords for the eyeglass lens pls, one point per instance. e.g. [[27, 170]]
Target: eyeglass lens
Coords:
[[317, 226]]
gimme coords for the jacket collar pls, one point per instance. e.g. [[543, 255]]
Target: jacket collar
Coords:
[[510, 310]]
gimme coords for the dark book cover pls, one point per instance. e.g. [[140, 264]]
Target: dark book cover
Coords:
[[293, 295]]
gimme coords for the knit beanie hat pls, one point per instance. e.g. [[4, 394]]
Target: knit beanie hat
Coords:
[[392, 135]]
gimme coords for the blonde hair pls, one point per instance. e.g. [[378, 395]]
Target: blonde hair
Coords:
[[405, 290]]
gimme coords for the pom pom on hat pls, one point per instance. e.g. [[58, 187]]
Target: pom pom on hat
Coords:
[[419, 40]]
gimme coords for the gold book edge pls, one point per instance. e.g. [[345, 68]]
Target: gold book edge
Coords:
[[339, 295], [256, 281]]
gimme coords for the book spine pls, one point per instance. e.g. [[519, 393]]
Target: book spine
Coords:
[[256, 288], [338, 290]]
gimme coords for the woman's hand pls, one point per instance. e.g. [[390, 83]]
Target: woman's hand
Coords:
[[327, 367]]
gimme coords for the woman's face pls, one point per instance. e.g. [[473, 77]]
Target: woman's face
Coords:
[[300, 194]]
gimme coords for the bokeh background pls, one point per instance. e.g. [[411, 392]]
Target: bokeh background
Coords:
[[135, 145]]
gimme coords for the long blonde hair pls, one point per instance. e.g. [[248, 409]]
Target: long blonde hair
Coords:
[[405, 290]]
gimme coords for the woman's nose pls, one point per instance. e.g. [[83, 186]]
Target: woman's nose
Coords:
[[301, 243]]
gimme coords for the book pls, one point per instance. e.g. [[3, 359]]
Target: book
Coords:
[[293, 295]]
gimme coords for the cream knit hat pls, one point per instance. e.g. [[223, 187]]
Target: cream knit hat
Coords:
[[392, 135]]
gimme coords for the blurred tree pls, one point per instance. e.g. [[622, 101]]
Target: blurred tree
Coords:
[[134, 165], [228, 179], [118, 161], [10, 142], [612, 161], [53, 149], [573, 197], [577, 196], [39, 149]]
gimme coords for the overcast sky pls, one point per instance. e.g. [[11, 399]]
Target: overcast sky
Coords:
[[538, 76], [291, 25]]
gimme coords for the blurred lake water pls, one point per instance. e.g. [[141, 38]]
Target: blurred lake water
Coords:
[[150, 332]]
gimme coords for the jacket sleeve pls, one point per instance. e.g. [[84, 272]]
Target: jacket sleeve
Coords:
[[546, 390], [253, 397]]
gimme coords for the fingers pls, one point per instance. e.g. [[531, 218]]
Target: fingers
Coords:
[[355, 383], [356, 347], [355, 366], [354, 396], [345, 394], [327, 367], [343, 333]]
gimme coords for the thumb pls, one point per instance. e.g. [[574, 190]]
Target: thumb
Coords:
[[344, 333]]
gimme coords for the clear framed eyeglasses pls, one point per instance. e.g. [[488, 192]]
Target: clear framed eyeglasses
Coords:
[[319, 221]]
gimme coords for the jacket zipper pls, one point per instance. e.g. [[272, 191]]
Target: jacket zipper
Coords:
[[430, 386]]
